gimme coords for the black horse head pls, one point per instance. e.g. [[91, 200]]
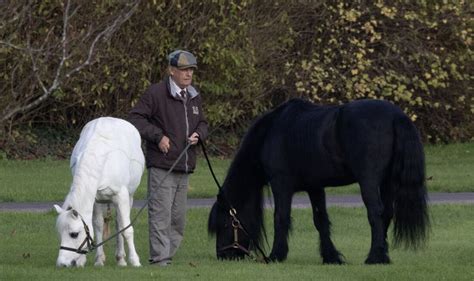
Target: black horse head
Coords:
[[236, 219], [232, 239]]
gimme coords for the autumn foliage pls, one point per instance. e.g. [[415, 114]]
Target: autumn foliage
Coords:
[[252, 55]]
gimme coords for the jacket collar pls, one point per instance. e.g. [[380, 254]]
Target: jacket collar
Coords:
[[191, 91]]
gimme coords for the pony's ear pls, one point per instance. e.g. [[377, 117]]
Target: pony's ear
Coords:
[[58, 209]]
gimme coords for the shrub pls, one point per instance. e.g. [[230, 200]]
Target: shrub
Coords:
[[252, 55]]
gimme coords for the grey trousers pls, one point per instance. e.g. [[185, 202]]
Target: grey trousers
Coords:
[[166, 213]]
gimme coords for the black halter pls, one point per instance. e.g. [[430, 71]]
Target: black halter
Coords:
[[87, 241]]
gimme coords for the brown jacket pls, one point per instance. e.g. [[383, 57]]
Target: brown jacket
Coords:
[[158, 113]]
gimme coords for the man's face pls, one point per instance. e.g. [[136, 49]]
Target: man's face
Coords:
[[182, 77]]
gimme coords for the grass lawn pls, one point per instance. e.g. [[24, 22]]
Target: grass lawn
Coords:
[[449, 167], [29, 248]]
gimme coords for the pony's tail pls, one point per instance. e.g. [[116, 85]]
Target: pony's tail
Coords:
[[411, 220], [107, 218]]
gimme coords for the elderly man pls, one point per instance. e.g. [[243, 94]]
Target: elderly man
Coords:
[[169, 116]]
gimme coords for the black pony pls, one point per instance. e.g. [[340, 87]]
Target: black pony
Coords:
[[300, 146]]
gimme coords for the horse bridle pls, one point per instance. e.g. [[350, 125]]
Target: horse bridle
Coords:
[[236, 224], [87, 241]]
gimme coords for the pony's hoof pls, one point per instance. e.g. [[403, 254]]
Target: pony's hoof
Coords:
[[99, 261], [333, 258], [135, 262], [121, 262], [382, 260], [378, 255], [335, 261], [276, 258]]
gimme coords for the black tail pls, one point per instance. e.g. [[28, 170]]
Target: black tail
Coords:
[[411, 220]]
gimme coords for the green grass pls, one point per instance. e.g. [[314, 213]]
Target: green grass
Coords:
[[449, 167], [50, 180], [29, 249]]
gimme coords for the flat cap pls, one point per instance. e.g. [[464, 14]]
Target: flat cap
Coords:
[[182, 59]]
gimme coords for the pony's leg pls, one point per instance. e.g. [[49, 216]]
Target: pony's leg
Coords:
[[123, 218], [282, 221], [328, 251], [98, 223], [372, 199], [120, 254], [387, 215]]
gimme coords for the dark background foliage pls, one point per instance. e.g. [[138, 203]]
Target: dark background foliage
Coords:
[[252, 56]]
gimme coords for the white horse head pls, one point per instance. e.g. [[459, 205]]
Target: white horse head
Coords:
[[72, 234], [107, 164]]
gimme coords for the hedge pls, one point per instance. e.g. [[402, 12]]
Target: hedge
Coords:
[[252, 55]]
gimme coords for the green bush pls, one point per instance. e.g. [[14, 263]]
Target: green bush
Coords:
[[414, 54], [251, 54]]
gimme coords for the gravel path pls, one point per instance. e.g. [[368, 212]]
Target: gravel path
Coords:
[[299, 201]]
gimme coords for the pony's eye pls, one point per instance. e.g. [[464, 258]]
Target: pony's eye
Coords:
[[74, 234]]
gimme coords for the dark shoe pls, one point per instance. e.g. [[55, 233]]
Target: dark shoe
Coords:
[[161, 263]]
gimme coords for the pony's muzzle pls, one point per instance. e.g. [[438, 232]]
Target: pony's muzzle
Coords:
[[231, 254], [73, 263], [80, 262]]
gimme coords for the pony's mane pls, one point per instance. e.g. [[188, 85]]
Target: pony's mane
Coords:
[[245, 176], [84, 177], [245, 180]]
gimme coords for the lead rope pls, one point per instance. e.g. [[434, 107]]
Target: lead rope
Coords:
[[233, 212]]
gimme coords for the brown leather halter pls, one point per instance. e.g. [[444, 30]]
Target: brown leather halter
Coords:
[[236, 225]]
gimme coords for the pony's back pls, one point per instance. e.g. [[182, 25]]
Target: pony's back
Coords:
[[110, 142]]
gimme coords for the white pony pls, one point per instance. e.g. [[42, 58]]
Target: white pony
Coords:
[[107, 164]]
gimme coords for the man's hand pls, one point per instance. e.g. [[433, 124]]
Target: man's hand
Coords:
[[194, 138], [164, 144]]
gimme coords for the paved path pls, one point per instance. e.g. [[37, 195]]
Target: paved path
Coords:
[[299, 201]]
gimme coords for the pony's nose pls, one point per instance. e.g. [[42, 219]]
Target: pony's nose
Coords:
[[231, 255], [73, 263], [62, 264]]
